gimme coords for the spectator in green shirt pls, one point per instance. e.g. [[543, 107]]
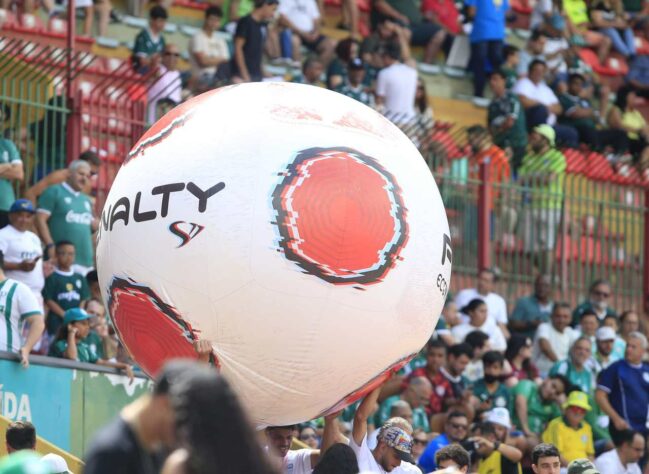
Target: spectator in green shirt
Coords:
[[11, 169], [354, 84], [535, 406], [149, 43], [530, 311], [543, 173], [506, 119], [65, 213], [69, 342], [64, 289], [489, 391], [579, 113], [576, 368], [417, 394], [599, 295], [509, 67]]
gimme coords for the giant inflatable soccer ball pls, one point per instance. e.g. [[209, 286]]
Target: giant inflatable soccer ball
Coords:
[[297, 230]]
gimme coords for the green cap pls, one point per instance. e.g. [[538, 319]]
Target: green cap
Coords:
[[23, 462], [582, 466]]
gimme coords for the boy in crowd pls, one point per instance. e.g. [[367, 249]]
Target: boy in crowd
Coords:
[[490, 391], [63, 289]]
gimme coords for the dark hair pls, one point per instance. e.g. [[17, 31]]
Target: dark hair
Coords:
[[626, 313], [92, 277], [497, 72], [435, 344], [457, 350], [91, 157], [514, 346], [476, 339], [308, 62], [63, 243], [157, 12], [587, 312], [509, 50], [392, 49], [21, 435], [576, 75], [261, 3], [213, 10], [170, 374], [544, 450], [344, 49], [338, 459], [492, 357], [486, 428], [537, 34], [204, 403], [567, 384], [535, 62], [623, 437], [422, 102], [621, 101], [456, 414], [560, 305], [282, 427], [474, 304], [453, 452]]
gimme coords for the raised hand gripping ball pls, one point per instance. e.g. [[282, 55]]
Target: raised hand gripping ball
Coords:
[[297, 230]]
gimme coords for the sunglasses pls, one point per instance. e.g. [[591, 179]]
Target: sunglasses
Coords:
[[603, 294], [458, 426], [422, 442]]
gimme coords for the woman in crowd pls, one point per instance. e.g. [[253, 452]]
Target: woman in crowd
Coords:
[[346, 50], [519, 355], [339, 459], [215, 434]]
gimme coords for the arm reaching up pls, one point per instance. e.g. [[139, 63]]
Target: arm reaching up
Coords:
[[363, 412]]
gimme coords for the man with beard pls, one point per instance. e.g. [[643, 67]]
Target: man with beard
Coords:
[[599, 295], [605, 340], [392, 452], [543, 172]]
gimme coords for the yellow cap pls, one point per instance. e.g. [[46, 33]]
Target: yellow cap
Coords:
[[577, 399]]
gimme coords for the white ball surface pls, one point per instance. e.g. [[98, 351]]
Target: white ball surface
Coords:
[[297, 230]]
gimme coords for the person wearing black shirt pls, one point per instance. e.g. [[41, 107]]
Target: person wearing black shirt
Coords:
[[249, 41], [138, 441]]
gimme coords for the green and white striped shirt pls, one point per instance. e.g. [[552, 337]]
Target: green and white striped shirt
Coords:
[[17, 302]]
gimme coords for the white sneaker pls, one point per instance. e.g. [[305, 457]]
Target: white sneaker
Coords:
[[429, 68], [481, 102]]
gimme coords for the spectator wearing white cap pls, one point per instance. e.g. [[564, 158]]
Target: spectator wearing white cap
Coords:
[[494, 454], [605, 340], [56, 463]]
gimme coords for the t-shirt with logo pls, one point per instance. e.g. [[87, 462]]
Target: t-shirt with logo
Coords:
[[627, 387], [8, 154], [84, 352], [18, 246], [95, 344], [584, 378], [17, 302], [498, 399], [572, 443], [67, 289], [148, 44], [70, 219], [297, 462], [496, 463]]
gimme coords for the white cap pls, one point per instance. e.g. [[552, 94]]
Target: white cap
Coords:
[[499, 416], [56, 463], [605, 333]]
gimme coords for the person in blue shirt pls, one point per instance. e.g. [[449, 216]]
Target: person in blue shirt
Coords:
[[486, 38], [455, 430], [623, 389]]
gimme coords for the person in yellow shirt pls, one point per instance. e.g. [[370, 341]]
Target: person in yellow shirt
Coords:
[[570, 433]]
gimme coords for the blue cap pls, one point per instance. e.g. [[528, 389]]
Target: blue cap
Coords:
[[75, 314], [22, 205]]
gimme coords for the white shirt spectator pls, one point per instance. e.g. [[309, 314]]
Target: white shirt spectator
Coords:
[[560, 343], [610, 463], [367, 463], [297, 462], [397, 84], [18, 246], [168, 86], [302, 13], [497, 340], [496, 305], [213, 46], [537, 18], [539, 92]]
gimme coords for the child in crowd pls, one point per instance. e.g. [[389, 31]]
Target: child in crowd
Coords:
[[569, 433], [489, 391], [63, 289]]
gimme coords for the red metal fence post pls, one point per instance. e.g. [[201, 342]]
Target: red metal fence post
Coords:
[[484, 221]]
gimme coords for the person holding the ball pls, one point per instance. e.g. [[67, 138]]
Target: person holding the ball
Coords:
[[394, 446]]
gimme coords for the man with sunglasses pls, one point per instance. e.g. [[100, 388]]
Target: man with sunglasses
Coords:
[[598, 301], [455, 430], [168, 84]]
